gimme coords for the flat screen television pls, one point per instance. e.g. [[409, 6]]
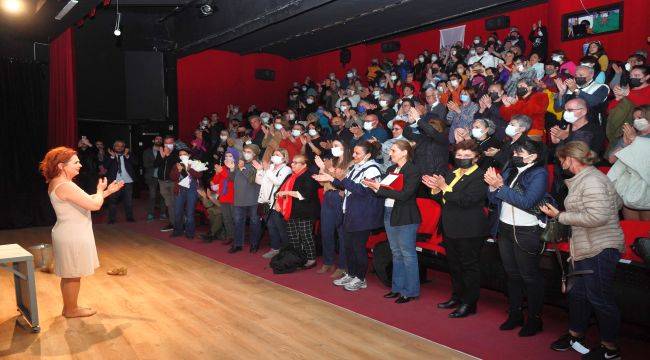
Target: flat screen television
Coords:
[[592, 22]]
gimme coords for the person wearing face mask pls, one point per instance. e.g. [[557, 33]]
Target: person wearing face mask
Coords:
[[580, 128], [297, 201], [313, 147], [293, 141], [461, 117], [331, 216], [488, 60], [596, 245], [431, 153], [483, 134], [517, 133], [584, 87], [567, 67], [592, 62], [246, 194], [294, 99], [515, 195], [151, 177], [629, 157], [521, 71], [462, 195], [401, 221], [538, 37], [622, 72], [550, 74], [362, 211], [490, 108], [621, 108], [373, 129], [386, 111], [272, 137], [209, 197], [187, 183], [515, 38], [270, 176], [339, 131], [403, 67], [397, 129], [451, 89], [165, 162], [120, 166], [233, 113], [527, 102], [419, 67], [373, 70], [225, 188]]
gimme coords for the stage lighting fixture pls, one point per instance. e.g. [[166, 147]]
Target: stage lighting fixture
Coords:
[[117, 31], [66, 9], [207, 8], [13, 6]]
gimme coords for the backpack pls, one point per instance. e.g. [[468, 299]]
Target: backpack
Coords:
[[287, 260]]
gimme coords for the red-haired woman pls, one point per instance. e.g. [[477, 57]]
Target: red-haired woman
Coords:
[[75, 254]]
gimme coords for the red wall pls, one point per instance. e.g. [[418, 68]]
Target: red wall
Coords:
[[212, 79]]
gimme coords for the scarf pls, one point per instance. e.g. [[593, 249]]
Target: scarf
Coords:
[[286, 202]]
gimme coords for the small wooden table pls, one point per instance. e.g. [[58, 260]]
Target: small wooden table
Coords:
[[24, 281]]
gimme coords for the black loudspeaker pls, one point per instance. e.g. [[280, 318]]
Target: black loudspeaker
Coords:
[[265, 74], [345, 56], [390, 46], [497, 22]]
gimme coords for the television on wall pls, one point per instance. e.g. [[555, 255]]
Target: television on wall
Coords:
[[592, 22]]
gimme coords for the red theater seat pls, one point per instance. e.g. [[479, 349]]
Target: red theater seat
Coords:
[[431, 212]]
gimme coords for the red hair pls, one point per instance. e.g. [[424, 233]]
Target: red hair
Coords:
[[400, 123], [49, 166]]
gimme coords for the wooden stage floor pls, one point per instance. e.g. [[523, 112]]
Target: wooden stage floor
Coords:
[[176, 304]]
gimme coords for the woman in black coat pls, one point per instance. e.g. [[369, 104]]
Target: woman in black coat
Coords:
[[401, 220], [431, 154], [462, 195], [299, 205]]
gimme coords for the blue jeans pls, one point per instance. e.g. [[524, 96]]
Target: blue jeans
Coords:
[[184, 204], [406, 274], [277, 230], [595, 292], [331, 224], [241, 212]]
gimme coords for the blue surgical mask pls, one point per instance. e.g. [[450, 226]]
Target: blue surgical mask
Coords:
[[464, 98], [361, 108]]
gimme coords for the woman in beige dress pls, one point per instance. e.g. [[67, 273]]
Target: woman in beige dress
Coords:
[[73, 241]]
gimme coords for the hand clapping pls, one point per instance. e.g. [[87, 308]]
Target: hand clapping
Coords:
[[492, 178]]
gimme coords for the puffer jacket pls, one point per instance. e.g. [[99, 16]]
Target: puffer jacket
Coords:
[[592, 206]]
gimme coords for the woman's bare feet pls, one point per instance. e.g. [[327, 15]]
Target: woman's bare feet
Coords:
[[79, 312]]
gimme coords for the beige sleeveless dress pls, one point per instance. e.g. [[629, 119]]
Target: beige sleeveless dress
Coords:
[[73, 241]]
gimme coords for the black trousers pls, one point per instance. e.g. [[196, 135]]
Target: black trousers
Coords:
[[521, 262], [463, 257], [126, 196], [356, 255]]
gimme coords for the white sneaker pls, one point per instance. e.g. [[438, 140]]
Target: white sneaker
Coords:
[[356, 284], [270, 254], [343, 280]]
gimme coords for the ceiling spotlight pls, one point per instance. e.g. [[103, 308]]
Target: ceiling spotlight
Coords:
[[207, 8], [13, 6], [117, 31]]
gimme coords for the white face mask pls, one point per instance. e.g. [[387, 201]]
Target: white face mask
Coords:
[[295, 133], [278, 126], [310, 101], [434, 58], [367, 125], [641, 124], [472, 52], [344, 107], [477, 41], [313, 132], [376, 94], [441, 89], [337, 151], [184, 159], [421, 59], [277, 159], [350, 75], [511, 130], [248, 142], [393, 77], [332, 77], [569, 117], [383, 103], [204, 122], [292, 116], [223, 137], [454, 83], [265, 119], [520, 68], [248, 156], [557, 58], [628, 67], [477, 133], [169, 146]]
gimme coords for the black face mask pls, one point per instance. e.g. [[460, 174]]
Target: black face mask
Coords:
[[522, 91], [518, 161], [634, 82], [241, 134], [463, 163], [567, 174], [581, 80], [495, 96], [489, 78], [336, 128]]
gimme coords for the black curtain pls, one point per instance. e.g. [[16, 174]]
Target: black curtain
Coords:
[[23, 143]]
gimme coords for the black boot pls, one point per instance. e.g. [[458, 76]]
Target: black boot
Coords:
[[532, 326], [515, 318]]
